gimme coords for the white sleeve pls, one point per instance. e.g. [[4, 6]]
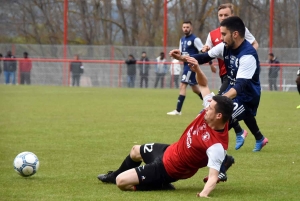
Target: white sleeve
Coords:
[[217, 51], [198, 44], [180, 45], [247, 67], [206, 99], [216, 155], [208, 41], [249, 37]]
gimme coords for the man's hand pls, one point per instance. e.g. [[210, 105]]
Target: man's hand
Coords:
[[205, 48], [201, 195], [176, 54], [193, 63]]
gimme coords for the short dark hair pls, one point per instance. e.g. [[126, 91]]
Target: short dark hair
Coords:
[[1, 55], [224, 106], [234, 23], [187, 22], [271, 54], [25, 53], [143, 52]]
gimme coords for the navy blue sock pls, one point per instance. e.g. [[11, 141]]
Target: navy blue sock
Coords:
[[180, 102]]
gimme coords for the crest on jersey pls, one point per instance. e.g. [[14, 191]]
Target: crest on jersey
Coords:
[[205, 136], [189, 43]]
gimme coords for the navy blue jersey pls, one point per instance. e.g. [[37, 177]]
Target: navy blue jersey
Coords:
[[243, 67], [189, 45]]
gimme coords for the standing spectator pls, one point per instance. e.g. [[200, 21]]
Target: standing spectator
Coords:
[[1, 63], [25, 67], [10, 67], [77, 69], [160, 70], [273, 71], [175, 70], [144, 69], [131, 70], [298, 84]]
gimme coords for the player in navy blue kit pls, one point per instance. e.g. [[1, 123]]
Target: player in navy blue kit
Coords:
[[188, 45], [242, 65]]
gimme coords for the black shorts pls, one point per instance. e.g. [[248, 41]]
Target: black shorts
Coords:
[[153, 172]]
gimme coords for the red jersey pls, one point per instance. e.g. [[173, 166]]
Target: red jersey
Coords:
[[215, 36], [25, 65], [183, 158]]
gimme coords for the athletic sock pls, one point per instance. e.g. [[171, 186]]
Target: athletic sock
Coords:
[[200, 95], [250, 121], [237, 128], [127, 164], [180, 102], [223, 168]]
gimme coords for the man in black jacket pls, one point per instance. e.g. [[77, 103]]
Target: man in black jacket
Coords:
[[9, 68], [131, 70], [273, 71], [76, 68], [144, 69]]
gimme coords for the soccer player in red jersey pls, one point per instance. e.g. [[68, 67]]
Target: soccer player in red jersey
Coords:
[[203, 144]]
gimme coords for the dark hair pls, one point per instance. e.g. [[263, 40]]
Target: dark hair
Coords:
[[143, 52], [25, 53], [1, 55], [224, 106], [187, 22], [271, 54], [234, 23]]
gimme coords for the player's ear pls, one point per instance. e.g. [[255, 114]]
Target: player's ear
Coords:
[[219, 115]]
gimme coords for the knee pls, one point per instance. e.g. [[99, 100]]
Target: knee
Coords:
[[120, 182], [135, 153]]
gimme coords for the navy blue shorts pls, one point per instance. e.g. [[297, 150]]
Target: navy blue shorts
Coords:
[[189, 77], [242, 109]]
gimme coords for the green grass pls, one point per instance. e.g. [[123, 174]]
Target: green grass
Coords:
[[78, 133]]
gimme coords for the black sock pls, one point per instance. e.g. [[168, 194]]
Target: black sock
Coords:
[[127, 164], [200, 95], [237, 128], [250, 121], [298, 88], [180, 102]]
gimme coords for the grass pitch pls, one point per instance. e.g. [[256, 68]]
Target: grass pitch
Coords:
[[78, 133]]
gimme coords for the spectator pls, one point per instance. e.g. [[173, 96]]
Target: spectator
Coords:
[[10, 67], [144, 69], [25, 66], [1, 63], [175, 70], [77, 70], [273, 71], [160, 70], [298, 84], [131, 70]]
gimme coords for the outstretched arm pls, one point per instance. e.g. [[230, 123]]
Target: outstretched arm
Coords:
[[200, 76], [210, 184]]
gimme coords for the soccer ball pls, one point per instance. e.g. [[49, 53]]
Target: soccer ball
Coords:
[[26, 164]]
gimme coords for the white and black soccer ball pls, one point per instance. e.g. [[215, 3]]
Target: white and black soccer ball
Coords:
[[26, 164]]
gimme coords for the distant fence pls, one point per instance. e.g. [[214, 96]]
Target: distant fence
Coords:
[[113, 73]]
